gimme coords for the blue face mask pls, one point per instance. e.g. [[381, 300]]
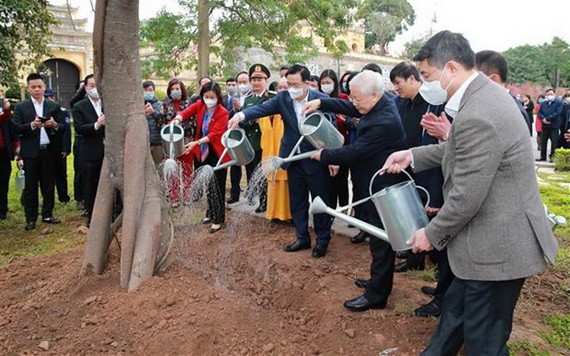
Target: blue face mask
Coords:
[[148, 95], [345, 87], [176, 94], [540, 101]]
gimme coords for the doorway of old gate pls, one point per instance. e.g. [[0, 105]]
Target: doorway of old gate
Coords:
[[62, 77]]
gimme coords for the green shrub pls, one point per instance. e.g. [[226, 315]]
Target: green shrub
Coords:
[[560, 324], [562, 159]]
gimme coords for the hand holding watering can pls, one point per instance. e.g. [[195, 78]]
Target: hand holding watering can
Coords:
[[397, 162]]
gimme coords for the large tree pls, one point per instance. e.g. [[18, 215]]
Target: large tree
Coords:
[[547, 64], [128, 168], [24, 36], [385, 19], [240, 24]]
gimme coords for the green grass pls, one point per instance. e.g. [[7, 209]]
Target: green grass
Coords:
[[525, 348], [15, 242], [559, 334]]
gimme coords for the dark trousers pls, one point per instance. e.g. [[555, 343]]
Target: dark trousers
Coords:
[[61, 179], [5, 171], [235, 178], [77, 177], [381, 269], [216, 191], [444, 275], [339, 188], [90, 171], [249, 170], [39, 170], [478, 314], [548, 134], [301, 183]]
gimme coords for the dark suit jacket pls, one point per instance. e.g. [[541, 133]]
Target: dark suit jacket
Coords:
[[283, 104], [379, 134], [24, 114], [432, 179], [252, 129], [10, 140], [92, 147]]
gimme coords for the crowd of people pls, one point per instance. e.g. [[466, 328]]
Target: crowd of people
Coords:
[[449, 121]]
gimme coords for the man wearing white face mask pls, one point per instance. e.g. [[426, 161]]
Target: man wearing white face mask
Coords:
[[89, 122], [492, 220], [237, 101], [305, 175], [549, 111]]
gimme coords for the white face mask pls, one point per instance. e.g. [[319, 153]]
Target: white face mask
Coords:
[[433, 93], [93, 93], [550, 97], [296, 93], [210, 103], [243, 88], [327, 88]]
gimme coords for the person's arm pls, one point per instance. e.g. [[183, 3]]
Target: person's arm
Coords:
[[79, 95], [190, 111], [20, 126], [339, 106], [268, 108], [82, 127], [217, 128]]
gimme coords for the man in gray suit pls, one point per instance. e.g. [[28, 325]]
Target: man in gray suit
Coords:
[[492, 220]]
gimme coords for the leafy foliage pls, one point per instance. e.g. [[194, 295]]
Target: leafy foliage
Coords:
[[548, 64], [240, 24], [24, 29], [411, 48], [560, 325], [385, 19]]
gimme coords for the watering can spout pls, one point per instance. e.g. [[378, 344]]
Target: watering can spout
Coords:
[[318, 206]]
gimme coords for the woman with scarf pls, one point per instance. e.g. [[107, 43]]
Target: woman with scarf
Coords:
[[211, 123]]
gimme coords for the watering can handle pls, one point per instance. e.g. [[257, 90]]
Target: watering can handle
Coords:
[[409, 176], [172, 139]]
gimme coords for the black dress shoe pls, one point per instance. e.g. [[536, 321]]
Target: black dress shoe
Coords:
[[359, 238], [429, 310], [359, 304], [51, 220], [362, 283], [30, 225], [233, 200], [297, 246], [403, 254], [206, 221], [319, 251], [428, 290], [404, 267]]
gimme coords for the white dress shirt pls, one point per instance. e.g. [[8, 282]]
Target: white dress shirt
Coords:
[[98, 110], [39, 106]]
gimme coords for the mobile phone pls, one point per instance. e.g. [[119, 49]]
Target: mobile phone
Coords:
[[43, 119]]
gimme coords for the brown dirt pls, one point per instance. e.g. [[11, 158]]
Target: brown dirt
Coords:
[[223, 294]]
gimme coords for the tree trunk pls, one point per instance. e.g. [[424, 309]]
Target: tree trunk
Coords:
[[128, 165], [203, 38]]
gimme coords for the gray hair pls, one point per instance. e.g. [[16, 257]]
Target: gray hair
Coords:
[[368, 82]]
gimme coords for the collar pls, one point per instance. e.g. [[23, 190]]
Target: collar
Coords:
[[454, 102], [95, 103], [34, 101]]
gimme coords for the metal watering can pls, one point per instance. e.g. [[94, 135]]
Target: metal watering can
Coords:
[[20, 180], [399, 207], [172, 140], [237, 145], [316, 129]]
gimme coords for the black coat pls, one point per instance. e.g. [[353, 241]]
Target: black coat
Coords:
[[24, 114], [92, 146], [379, 134]]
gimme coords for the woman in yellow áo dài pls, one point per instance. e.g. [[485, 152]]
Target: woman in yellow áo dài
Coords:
[[277, 188]]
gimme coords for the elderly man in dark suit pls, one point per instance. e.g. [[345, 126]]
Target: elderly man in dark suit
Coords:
[[379, 134], [492, 220], [89, 122], [305, 176], [38, 121]]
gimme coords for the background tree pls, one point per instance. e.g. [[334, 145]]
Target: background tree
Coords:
[[385, 19], [146, 230], [241, 24], [547, 65], [24, 29], [411, 48]]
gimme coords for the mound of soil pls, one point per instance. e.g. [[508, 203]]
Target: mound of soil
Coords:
[[234, 292]]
